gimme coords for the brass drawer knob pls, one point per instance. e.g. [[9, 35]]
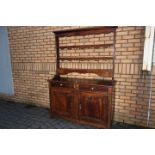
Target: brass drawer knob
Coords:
[[92, 88], [61, 84]]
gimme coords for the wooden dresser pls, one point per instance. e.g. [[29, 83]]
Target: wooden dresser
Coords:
[[86, 101]]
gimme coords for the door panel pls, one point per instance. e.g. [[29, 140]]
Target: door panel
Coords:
[[93, 107], [62, 102]]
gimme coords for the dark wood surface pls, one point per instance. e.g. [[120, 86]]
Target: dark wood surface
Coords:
[[86, 31], [99, 72], [86, 46], [82, 100], [88, 58], [63, 102], [93, 107], [57, 54], [71, 81]]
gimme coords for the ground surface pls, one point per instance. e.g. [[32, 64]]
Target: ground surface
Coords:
[[21, 116]]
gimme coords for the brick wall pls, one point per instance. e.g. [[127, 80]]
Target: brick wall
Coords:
[[33, 62]]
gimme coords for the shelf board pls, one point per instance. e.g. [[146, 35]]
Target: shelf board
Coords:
[[86, 46], [88, 58], [86, 31], [99, 72]]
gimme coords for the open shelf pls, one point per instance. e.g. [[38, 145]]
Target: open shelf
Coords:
[[86, 46], [88, 58], [61, 58]]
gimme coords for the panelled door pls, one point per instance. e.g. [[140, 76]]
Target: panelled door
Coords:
[[63, 102], [93, 107]]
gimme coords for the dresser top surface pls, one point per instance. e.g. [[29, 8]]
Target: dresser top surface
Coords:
[[84, 81]]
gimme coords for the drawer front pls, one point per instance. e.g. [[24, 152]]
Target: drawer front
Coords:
[[93, 88], [62, 84]]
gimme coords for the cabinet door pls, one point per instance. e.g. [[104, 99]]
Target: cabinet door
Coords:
[[62, 102], [93, 107]]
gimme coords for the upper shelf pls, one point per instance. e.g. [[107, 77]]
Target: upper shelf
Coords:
[[88, 58], [86, 46], [86, 31]]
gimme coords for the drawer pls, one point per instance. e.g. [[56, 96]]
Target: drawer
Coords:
[[93, 88], [61, 84]]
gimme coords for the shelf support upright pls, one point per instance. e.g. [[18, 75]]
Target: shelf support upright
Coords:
[[113, 82], [114, 55], [57, 56]]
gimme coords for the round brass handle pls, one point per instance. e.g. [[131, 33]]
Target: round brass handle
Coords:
[[92, 88], [61, 84]]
